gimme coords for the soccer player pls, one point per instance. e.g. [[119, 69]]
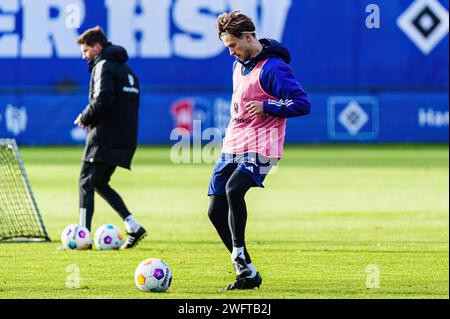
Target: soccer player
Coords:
[[265, 94], [111, 118]]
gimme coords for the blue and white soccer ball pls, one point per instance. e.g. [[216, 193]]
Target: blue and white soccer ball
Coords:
[[108, 237], [76, 237], [153, 275]]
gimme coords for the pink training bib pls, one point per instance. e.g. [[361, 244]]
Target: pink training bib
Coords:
[[262, 134]]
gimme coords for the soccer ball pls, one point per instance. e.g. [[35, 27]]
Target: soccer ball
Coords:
[[153, 275], [76, 237], [108, 237]]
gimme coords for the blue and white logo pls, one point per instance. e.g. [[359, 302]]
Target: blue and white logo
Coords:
[[425, 22], [353, 118]]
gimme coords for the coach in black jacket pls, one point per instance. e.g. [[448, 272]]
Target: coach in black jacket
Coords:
[[112, 112], [111, 119]]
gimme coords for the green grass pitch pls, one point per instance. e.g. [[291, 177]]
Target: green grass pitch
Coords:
[[326, 219]]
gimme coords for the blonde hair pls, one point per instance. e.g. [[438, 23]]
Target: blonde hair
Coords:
[[235, 23]]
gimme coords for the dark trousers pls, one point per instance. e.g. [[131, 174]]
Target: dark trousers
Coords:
[[94, 177]]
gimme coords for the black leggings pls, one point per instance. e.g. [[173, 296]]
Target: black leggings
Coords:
[[228, 213], [94, 177]]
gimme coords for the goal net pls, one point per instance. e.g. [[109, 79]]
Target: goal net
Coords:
[[20, 220]]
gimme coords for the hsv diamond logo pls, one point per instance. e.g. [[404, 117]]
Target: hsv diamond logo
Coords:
[[426, 23], [351, 118]]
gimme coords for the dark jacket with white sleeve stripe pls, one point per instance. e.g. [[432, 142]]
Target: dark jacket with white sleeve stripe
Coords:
[[112, 113]]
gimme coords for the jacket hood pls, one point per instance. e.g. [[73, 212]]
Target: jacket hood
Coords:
[[271, 48], [110, 52]]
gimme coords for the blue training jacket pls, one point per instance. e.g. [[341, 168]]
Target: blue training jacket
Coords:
[[277, 79]]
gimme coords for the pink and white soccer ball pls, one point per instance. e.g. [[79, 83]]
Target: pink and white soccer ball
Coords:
[[76, 237], [153, 275], [108, 237]]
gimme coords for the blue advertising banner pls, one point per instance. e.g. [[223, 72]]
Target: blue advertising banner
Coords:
[[392, 117], [375, 72], [343, 44]]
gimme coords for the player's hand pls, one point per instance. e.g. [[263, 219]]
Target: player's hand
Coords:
[[254, 107], [78, 121]]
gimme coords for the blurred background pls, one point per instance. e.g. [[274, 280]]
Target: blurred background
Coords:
[[376, 71]]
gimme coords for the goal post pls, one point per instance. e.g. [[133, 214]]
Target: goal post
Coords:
[[20, 220]]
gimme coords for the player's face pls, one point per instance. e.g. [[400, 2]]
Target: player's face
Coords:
[[90, 52], [240, 48]]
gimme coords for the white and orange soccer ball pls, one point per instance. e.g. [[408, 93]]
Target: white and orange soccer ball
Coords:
[[153, 275], [75, 237], [108, 237]]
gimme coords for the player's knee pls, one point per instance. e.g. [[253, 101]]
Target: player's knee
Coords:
[[218, 208], [101, 187], [211, 214], [212, 210], [84, 184], [232, 189], [99, 184]]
